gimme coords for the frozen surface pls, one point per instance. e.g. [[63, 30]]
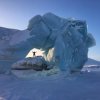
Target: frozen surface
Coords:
[[91, 68], [85, 86], [65, 42]]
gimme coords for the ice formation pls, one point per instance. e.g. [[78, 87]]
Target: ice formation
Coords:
[[37, 63], [65, 42]]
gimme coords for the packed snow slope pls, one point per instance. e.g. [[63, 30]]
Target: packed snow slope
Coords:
[[65, 42], [85, 86], [92, 62]]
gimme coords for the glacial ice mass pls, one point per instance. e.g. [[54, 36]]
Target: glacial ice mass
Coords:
[[65, 42]]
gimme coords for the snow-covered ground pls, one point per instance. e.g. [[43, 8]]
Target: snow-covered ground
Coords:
[[84, 86], [91, 68]]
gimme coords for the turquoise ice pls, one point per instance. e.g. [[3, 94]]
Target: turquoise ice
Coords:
[[65, 42]]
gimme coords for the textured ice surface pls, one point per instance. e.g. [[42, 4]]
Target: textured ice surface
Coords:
[[65, 42], [37, 63]]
